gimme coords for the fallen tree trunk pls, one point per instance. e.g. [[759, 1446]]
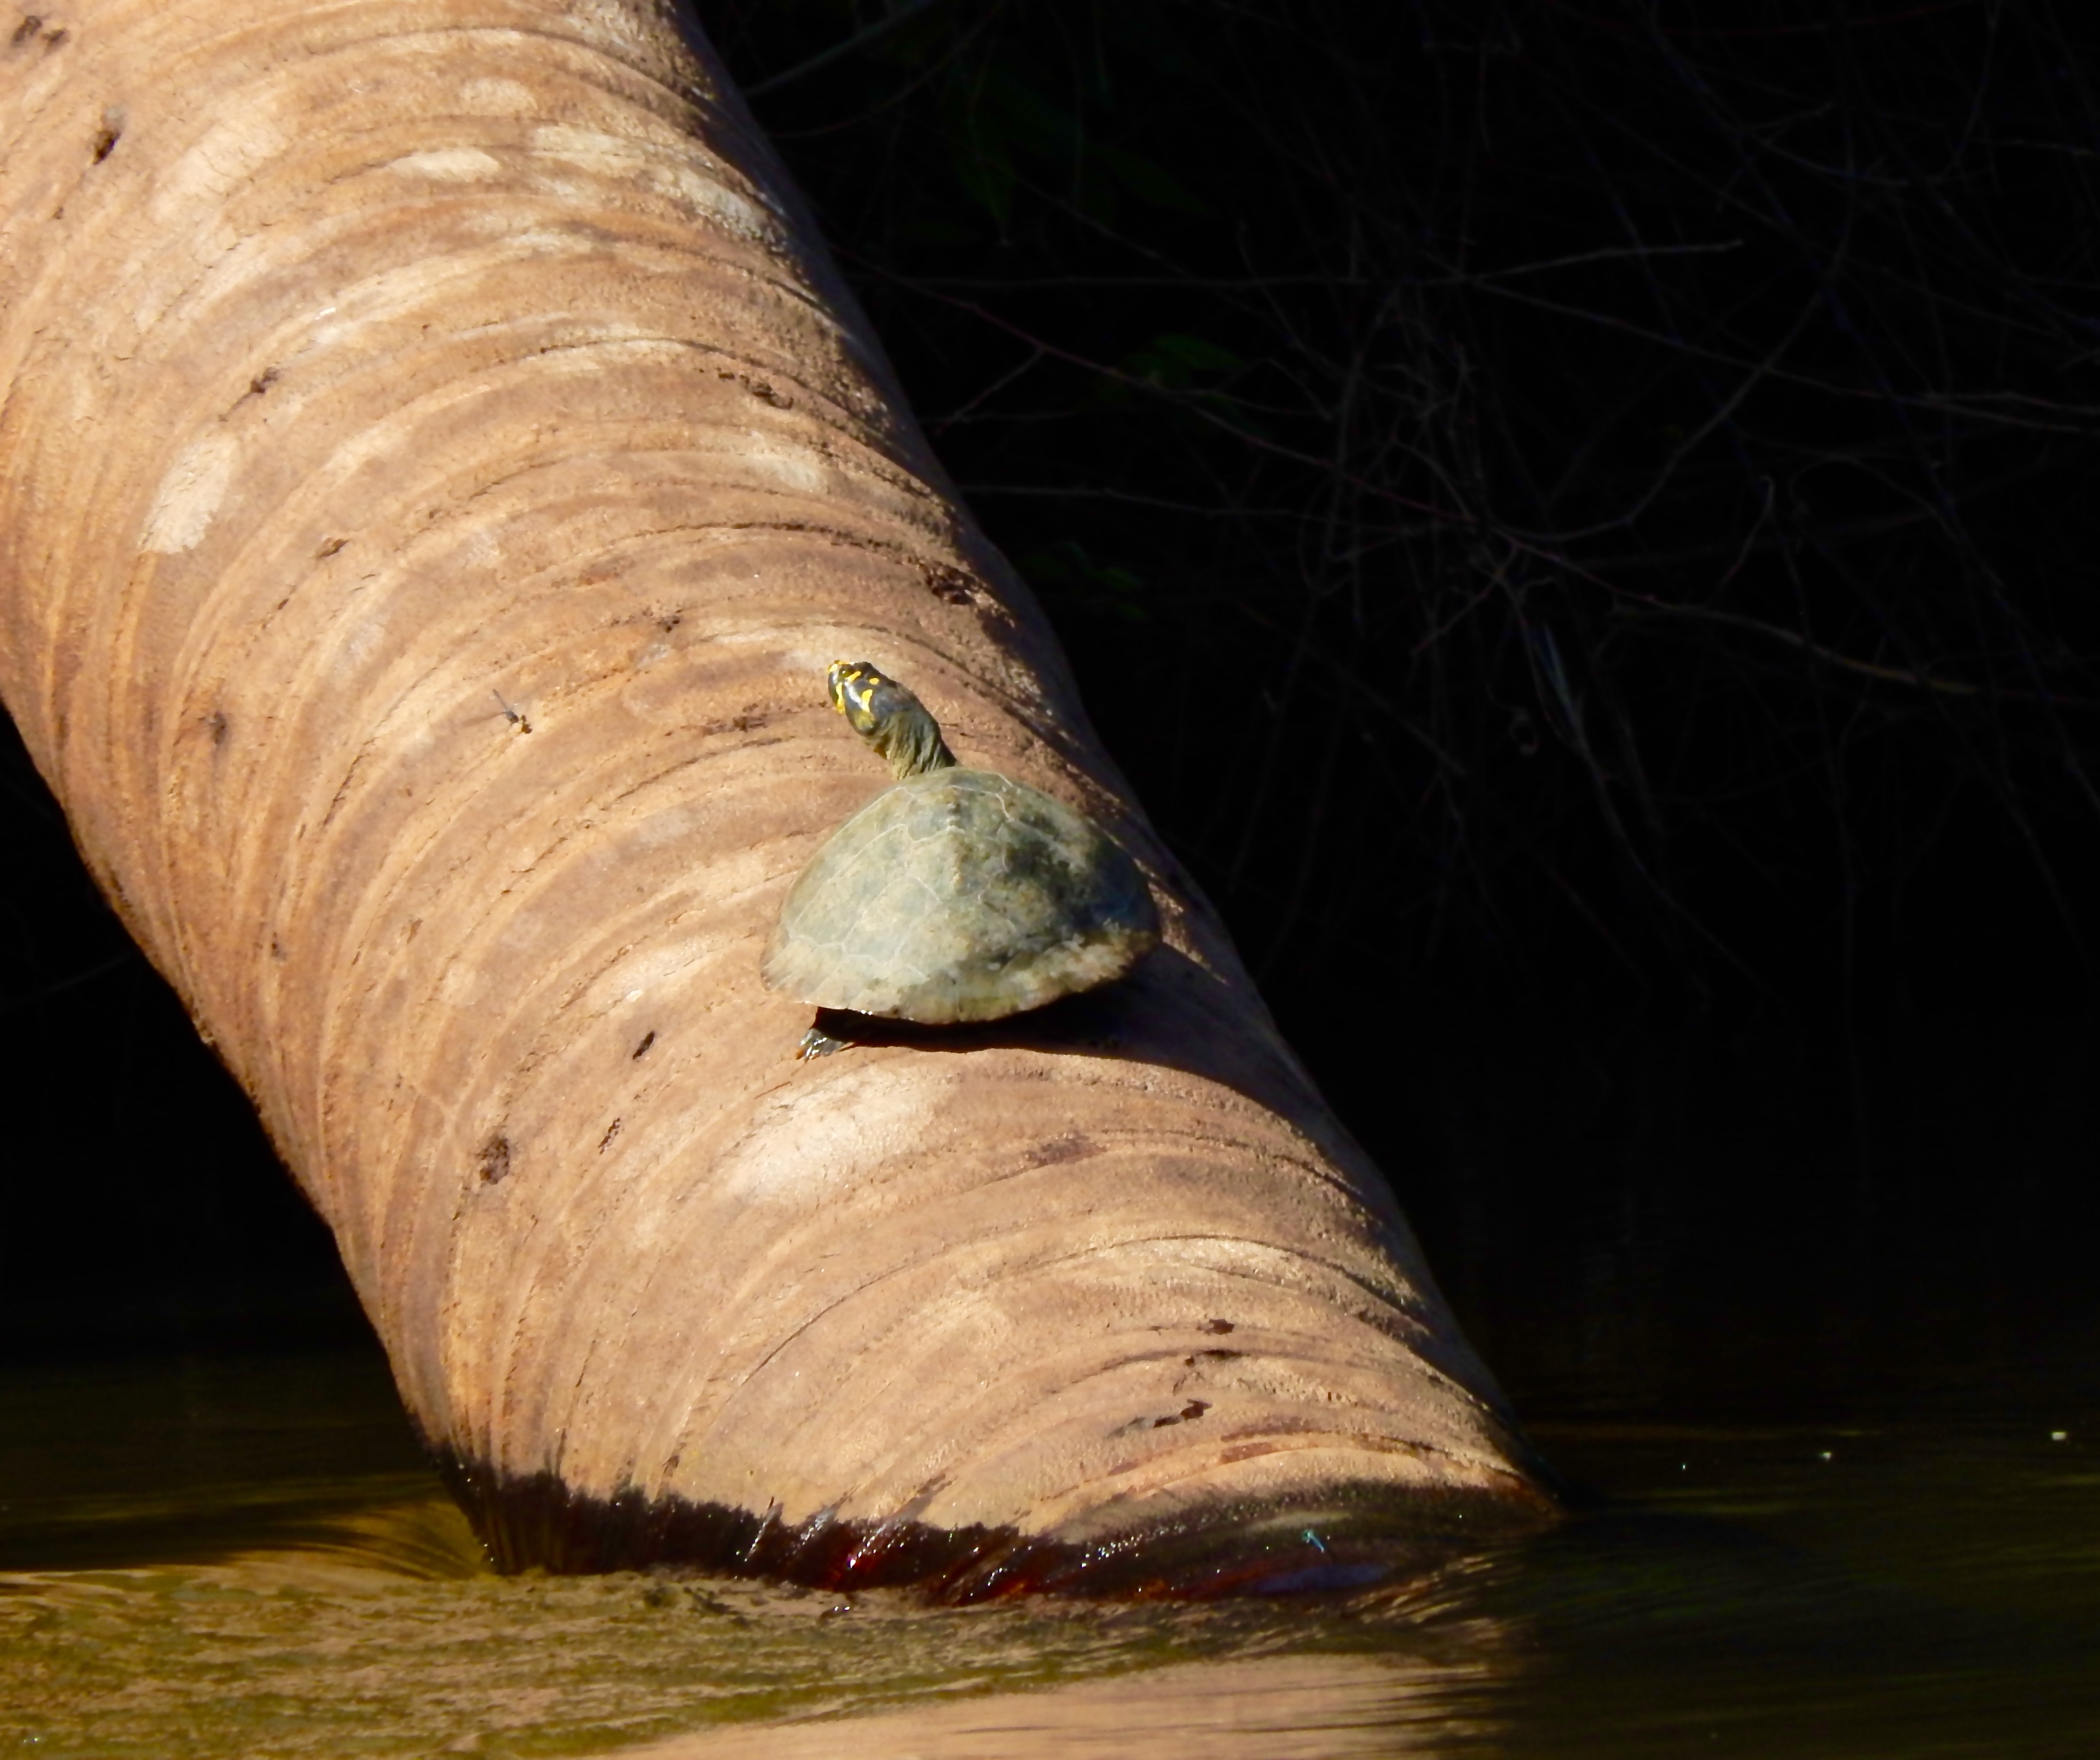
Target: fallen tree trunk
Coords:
[[439, 463]]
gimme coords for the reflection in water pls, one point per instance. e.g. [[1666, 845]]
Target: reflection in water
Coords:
[[248, 1559], [303, 1653], [1278, 1708]]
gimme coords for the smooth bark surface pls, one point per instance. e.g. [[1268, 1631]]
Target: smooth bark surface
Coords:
[[439, 464]]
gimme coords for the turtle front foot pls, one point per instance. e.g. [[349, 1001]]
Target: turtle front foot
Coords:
[[817, 1042]]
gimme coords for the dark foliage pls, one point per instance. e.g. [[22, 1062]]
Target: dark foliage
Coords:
[[1545, 499]]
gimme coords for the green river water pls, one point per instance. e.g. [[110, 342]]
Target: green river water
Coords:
[[246, 1556]]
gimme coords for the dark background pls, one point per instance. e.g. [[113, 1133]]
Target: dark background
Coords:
[[1579, 525]]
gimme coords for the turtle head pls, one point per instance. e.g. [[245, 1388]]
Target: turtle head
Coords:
[[890, 718]]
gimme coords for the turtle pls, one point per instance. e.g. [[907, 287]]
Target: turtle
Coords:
[[956, 894]]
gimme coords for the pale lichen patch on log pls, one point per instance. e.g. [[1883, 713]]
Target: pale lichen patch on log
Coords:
[[498, 97], [790, 466], [450, 165], [845, 1128], [215, 166], [189, 494], [672, 174]]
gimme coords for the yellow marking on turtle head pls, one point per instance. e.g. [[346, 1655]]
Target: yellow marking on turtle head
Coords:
[[853, 685]]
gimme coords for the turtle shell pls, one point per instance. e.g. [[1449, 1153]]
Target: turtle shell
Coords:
[[960, 895]]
